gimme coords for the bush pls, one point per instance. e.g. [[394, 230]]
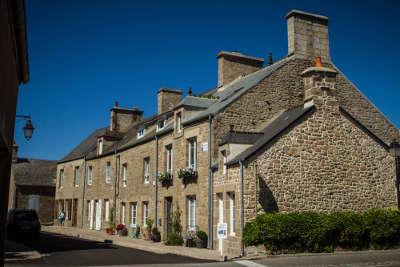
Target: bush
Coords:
[[323, 232], [174, 239], [155, 235], [202, 236]]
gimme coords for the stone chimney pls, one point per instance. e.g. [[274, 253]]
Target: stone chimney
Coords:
[[14, 153], [167, 99], [308, 35], [319, 85], [123, 118], [231, 65]]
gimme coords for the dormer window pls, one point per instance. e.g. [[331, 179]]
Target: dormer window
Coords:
[[141, 132], [161, 124], [178, 122], [100, 147]]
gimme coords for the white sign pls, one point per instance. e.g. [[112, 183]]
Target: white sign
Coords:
[[222, 229], [204, 147]]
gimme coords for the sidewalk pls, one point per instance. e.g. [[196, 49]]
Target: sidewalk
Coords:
[[141, 244], [17, 252]]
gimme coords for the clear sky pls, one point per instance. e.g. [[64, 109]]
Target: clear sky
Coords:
[[85, 54]]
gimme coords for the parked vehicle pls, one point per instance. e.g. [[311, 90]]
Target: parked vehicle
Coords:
[[23, 223]]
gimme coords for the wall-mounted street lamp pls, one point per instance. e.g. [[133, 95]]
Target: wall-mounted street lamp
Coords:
[[28, 128]]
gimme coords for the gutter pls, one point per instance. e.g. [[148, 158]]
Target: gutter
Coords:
[[115, 186], [210, 187], [156, 183], [83, 190], [241, 206]]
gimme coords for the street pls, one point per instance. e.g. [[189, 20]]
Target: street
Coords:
[[61, 250]]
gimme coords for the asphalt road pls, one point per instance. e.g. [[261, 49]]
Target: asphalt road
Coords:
[[60, 250]]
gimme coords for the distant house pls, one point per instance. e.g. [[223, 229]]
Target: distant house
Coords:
[[32, 186]]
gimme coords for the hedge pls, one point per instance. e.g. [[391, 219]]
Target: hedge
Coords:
[[324, 232]]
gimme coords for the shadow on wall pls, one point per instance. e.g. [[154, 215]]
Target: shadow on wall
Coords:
[[266, 197]]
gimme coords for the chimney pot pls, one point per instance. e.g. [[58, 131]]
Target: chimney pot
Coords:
[[318, 62]]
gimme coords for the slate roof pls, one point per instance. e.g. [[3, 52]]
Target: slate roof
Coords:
[[35, 172], [217, 99], [272, 130], [240, 138]]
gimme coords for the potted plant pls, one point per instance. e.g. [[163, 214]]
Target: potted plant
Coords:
[[165, 179], [110, 229], [188, 175], [190, 238], [155, 235], [121, 230], [148, 229], [175, 238], [201, 240]]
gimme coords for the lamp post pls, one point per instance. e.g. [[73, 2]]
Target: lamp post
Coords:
[[28, 128]]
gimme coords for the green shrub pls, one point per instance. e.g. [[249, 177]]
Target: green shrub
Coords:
[[174, 239], [202, 235], [323, 232]]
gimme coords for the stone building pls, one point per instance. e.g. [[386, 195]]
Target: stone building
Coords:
[[293, 135]]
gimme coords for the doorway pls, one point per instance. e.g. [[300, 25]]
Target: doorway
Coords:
[[168, 216], [220, 218], [98, 214], [75, 212], [91, 214]]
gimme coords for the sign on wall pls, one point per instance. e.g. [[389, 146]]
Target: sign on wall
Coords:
[[222, 229], [204, 147]]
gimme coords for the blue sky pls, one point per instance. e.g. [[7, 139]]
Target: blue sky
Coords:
[[83, 55]]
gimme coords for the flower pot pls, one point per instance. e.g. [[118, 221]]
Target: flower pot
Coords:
[[190, 243], [201, 243]]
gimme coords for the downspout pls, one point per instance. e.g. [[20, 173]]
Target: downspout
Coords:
[[83, 189], [241, 206], [156, 183], [210, 187], [394, 150], [115, 186]]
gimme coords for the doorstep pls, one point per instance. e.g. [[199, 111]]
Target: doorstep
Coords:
[[159, 248]]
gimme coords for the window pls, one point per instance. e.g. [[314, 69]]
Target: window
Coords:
[[141, 132], [179, 122], [133, 214], [169, 159], [108, 172], [192, 153], [161, 124], [123, 213], [146, 170], [61, 179], [231, 213], [107, 208], [145, 213], [220, 208], [100, 147], [76, 176], [192, 212], [224, 160], [124, 175], [89, 175]]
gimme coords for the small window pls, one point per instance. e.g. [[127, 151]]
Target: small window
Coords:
[[61, 179], [161, 124], [124, 175], [108, 172], [145, 213], [141, 132], [100, 147], [146, 167], [133, 214], [231, 196], [179, 122], [76, 176], [191, 212], [224, 160], [123, 213], [89, 175], [169, 158], [192, 153]]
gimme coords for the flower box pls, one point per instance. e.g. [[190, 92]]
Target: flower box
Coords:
[[165, 179], [187, 175]]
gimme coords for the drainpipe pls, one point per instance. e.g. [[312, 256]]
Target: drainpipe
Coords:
[[115, 185], [156, 183], [394, 149], [241, 206], [83, 190], [210, 187]]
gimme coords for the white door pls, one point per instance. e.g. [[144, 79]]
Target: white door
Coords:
[[33, 202], [220, 219], [91, 213], [98, 214]]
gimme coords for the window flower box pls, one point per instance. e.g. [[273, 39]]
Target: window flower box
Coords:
[[165, 179], [187, 175]]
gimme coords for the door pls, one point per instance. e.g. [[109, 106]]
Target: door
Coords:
[[168, 216], [75, 212], [220, 219], [33, 202], [91, 213], [98, 214]]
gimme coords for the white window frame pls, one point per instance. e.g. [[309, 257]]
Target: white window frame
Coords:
[[89, 175], [179, 122], [61, 179], [146, 170], [133, 214], [169, 159], [145, 213], [224, 161], [191, 213], [192, 162], [76, 176], [108, 172], [123, 209], [100, 146], [141, 132], [161, 126], [124, 174], [231, 196], [107, 210]]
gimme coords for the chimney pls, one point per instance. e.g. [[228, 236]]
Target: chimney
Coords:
[[231, 65], [123, 118], [167, 99], [14, 153], [319, 85], [308, 35]]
